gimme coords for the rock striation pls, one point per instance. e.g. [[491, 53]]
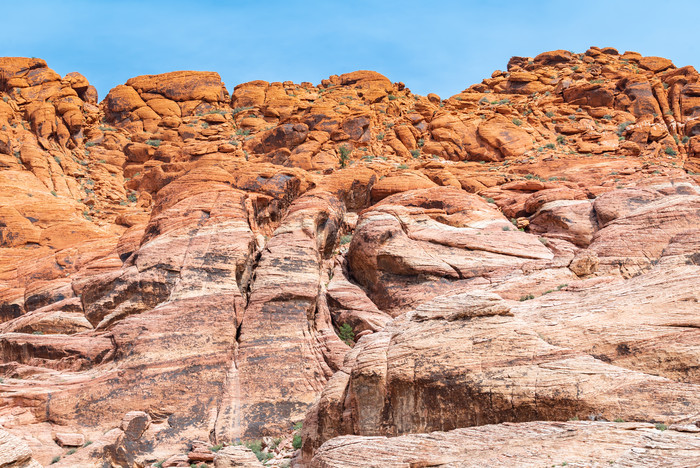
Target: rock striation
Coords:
[[505, 276]]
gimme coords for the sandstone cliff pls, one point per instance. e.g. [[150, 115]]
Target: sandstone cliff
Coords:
[[183, 267]]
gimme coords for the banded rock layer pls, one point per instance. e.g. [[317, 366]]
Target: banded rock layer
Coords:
[[183, 267]]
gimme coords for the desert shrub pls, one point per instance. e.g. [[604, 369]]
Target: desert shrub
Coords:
[[346, 334], [344, 155]]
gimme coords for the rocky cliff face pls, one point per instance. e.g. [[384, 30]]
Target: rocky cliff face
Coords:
[[182, 267]]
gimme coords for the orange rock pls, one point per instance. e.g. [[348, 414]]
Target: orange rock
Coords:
[[655, 64], [181, 86], [191, 268], [504, 135], [251, 94], [374, 85], [165, 107], [123, 99], [399, 183], [553, 57]]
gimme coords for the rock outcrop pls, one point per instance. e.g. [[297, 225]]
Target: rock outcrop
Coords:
[[525, 444], [14, 453], [183, 270]]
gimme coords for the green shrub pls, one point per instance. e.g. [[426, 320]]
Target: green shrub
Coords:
[[71, 451], [256, 447], [685, 139], [155, 143], [403, 166], [55, 459], [392, 97], [421, 142], [670, 151], [344, 155], [490, 200], [380, 137], [216, 447], [415, 153], [550, 145], [240, 131], [296, 442], [344, 240], [561, 140], [661, 426], [90, 143], [622, 127], [296, 439], [527, 297], [53, 192], [346, 334], [517, 122], [549, 114]]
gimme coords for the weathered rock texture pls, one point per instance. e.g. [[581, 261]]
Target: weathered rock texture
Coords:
[[183, 268], [536, 444], [14, 453]]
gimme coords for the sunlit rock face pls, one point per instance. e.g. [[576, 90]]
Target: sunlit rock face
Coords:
[[184, 267]]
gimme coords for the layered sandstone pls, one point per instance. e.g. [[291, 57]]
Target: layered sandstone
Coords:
[[183, 268]]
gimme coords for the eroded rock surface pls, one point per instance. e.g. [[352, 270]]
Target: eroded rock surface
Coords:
[[182, 268], [533, 444]]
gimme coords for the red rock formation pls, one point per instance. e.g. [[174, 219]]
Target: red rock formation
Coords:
[[182, 268]]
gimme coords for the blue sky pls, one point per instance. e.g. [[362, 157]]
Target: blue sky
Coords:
[[432, 46]]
